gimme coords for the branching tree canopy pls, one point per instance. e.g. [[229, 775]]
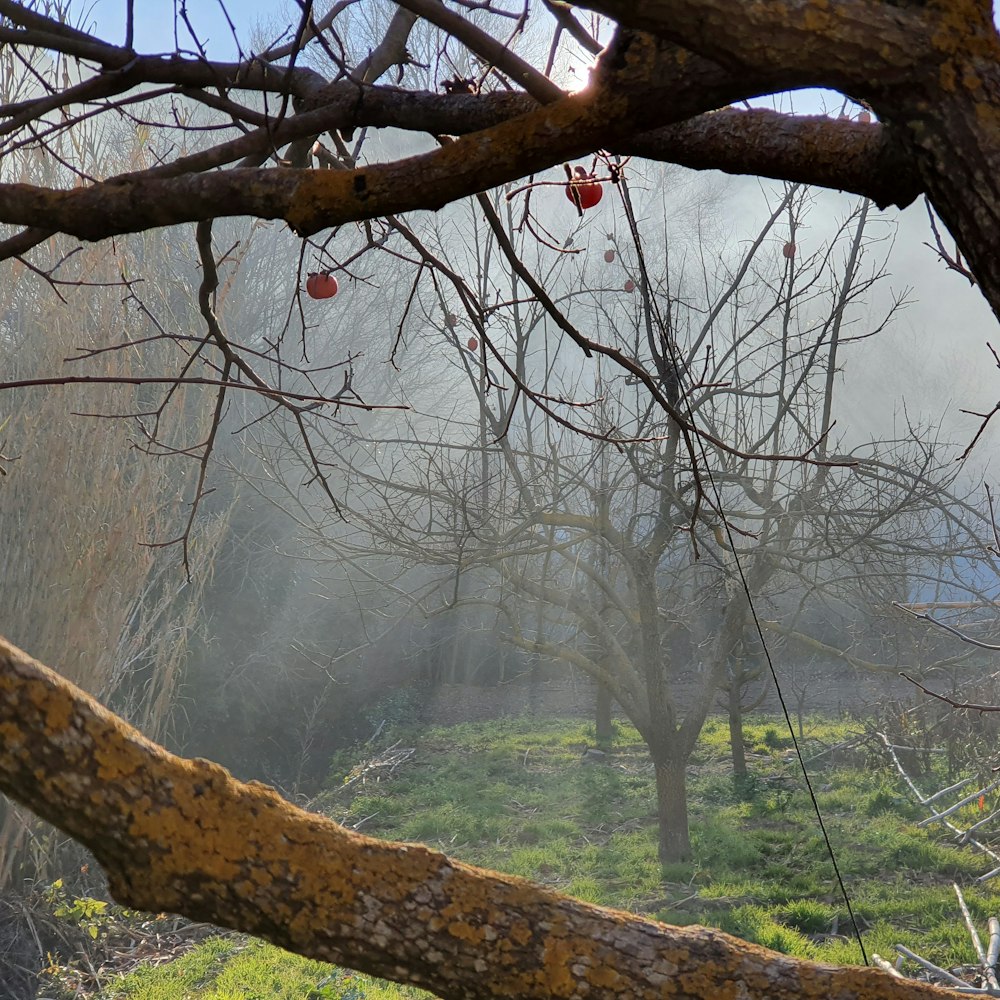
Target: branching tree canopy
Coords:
[[929, 70], [270, 135], [578, 541]]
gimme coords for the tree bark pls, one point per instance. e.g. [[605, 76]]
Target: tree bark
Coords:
[[185, 836], [671, 806], [603, 722], [736, 730]]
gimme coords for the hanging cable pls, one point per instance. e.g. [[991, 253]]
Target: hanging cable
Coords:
[[795, 742]]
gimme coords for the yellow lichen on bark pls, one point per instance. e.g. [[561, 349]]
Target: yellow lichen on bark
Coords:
[[464, 931], [603, 977], [184, 835], [818, 17], [947, 76], [555, 974], [963, 36]]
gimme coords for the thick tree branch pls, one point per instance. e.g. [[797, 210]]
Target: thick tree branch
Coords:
[[857, 43], [861, 158], [851, 156], [633, 95], [183, 835], [391, 51], [818, 152]]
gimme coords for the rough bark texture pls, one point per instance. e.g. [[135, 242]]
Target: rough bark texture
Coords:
[[183, 835], [736, 731], [671, 807]]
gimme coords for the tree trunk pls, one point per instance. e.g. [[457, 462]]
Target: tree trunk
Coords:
[[671, 808], [602, 715], [736, 728]]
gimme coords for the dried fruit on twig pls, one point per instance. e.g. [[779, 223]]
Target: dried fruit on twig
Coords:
[[583, 190], [321, 286]]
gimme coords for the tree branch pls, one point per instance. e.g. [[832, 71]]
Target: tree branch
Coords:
[[185, 836], [861, 44], [832, 153]]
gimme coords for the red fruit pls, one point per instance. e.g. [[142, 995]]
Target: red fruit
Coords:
[[864, 117], [583, 189], [630, 285], [473, 343], [789, 251], [321, 286], [609, 256]]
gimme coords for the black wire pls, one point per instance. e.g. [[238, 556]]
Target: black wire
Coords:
[[675, 361], [791, 732]]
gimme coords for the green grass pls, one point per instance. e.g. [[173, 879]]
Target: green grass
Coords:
[[238, 969], [513, 795]]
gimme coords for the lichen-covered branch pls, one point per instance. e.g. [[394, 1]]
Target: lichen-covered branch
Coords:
[[647, 86], [183, 835], [793, 40]]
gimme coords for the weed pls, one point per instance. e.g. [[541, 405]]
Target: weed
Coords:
[[87, 913], [772, 740], [810, 916]]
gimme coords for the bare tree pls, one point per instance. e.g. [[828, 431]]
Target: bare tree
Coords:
[[183, 835], [599, 537]]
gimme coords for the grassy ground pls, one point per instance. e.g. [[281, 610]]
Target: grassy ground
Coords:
[[513, 795]]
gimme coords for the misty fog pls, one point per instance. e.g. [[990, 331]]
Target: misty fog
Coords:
[[684, 473]]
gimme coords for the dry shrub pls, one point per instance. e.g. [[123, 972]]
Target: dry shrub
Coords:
[[85, 588]]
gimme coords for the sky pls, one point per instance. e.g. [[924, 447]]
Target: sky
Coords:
[[155, 22]]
